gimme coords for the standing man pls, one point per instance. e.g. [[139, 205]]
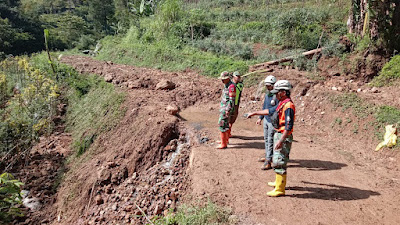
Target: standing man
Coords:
[[226, 108], [283, 120], [239, 88], [270, 104]]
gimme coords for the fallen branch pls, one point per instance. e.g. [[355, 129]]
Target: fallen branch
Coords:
[[258, 71], [286, 59]]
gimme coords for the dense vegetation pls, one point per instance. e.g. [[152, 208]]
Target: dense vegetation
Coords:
[[212, 36]]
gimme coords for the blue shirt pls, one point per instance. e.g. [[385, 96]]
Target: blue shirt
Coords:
[[270, 103]]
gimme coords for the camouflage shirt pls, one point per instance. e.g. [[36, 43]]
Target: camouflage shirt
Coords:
[[228, 98]]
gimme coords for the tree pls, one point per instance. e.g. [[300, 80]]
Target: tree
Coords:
[[101, 13], [378, 20]]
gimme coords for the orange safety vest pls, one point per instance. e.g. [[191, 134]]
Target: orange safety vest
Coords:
[[283, 106]]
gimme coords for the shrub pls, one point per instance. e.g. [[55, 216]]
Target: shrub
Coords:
[[390, 73], [28, 113], [10, 197]]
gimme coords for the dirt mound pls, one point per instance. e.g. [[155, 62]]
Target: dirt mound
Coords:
[[139, 167]]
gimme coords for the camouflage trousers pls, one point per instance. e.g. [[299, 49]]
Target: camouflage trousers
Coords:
[[280, 156], [223, 122]]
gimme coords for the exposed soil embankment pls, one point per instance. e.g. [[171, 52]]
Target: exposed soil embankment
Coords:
[[140, 166]]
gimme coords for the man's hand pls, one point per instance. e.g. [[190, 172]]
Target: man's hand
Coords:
[[259, 121], [278, 145], [249, 115]]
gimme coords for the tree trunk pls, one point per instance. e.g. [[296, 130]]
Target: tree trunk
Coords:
[[379, 19]]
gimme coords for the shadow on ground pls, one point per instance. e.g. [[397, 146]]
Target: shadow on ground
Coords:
[[248, 138], [257, 145], [316, 165], [331, 192]]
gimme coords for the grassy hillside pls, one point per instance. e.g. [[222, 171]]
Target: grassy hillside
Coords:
[[212, 36]]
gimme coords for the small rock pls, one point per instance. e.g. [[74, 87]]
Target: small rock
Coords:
[[172, 109], [335, 74], [99, 200], [165, 85], [322, 113], [108, 77], [114, 207], [32, 203], [374, 90], [128, 208], [334, 88], [359, 90], [233, 219], [340, 89]]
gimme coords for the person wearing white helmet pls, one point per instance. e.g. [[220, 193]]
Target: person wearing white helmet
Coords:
[[269, 107], [283, 121]]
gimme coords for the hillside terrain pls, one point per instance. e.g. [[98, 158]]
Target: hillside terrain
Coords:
[[115, 121], [154, 161]]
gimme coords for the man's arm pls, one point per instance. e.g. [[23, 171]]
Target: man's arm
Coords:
[[262, 112]]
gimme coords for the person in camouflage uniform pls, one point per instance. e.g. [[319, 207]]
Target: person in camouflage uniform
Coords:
[[226, 108], [239, 89]]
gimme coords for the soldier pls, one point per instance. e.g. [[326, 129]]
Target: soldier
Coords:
[[226, 109], [239, 89]]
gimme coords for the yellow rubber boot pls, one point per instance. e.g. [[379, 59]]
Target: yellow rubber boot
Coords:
[[280, 186], [224, 140]]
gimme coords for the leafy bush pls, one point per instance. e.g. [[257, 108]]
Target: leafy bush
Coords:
[[10, 197], [390, 73], [85, 42], [30, 108]]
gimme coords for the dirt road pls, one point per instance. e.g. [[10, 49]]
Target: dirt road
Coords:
[[323, 187]]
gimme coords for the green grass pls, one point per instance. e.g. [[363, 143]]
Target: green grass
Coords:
[[383, 115], [389, 74], [388, 115], [168, 55], [94, 107], [360, 108], [197, 215]]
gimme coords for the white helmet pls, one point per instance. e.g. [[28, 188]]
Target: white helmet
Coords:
[[270, 80], [282, 85]]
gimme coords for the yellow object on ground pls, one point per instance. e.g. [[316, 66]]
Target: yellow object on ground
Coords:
[[390, 138]]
